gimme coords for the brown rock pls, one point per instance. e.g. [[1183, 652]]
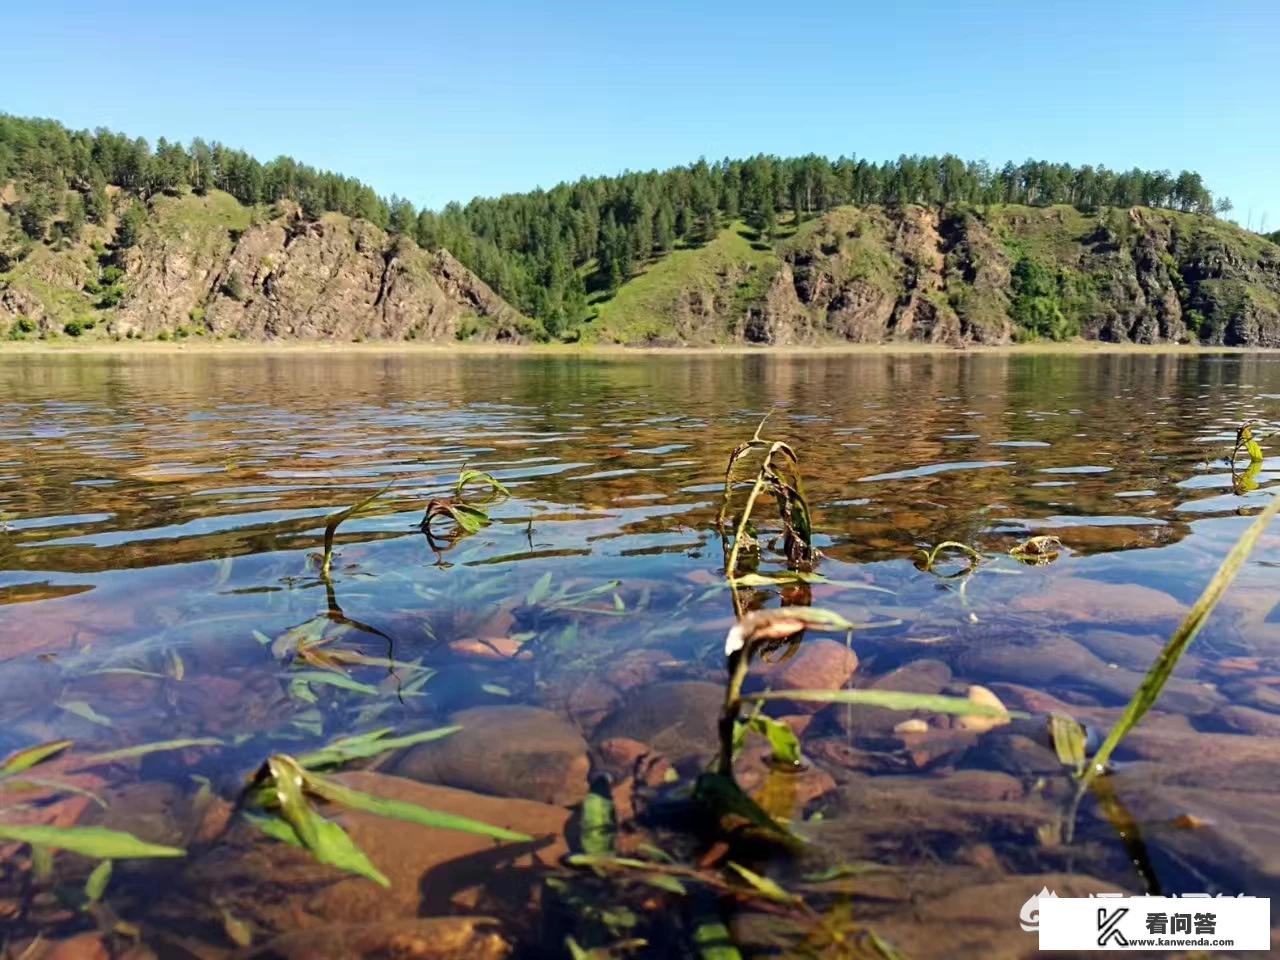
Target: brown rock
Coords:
[[676, 719], [1093, 601], [636, 668], [820, 664], [488, 648], [85, 946], [436, 938], [985, 698], [918, 676], [513, 751], [277, 888], [1263, 723]]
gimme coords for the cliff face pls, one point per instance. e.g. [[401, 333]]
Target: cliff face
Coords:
[[990, 275], [204, 265], [209, 266]]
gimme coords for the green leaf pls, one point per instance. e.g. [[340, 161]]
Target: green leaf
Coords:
[[409, 812], [29, 757], [664, 881], [326, 841], [1153, 683], [763, 885], [598, 825], [785, 745], [496, 689], [144, 749], [97, 842], [725, 798], [332, 679], [890, 699], [469, 518], [1068, 742], [468, 477], [86, 712], [712, 939], [335, 520], [540, 590], [366, 745], [96, 885]]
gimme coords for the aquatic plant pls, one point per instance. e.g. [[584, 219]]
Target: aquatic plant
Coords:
[[928, 558], [1157, 676], [1037, 551], [281, 788], [1246, 441]]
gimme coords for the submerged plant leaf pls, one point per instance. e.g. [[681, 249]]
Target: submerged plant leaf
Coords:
[[366, 745], [891, 699], [401, 810], [1068, 742], [763, 885], [712, 940], [326, 841], [331, 679], [144, 749], [86, 712], [27, 758], [599, 826], [539, 591], [96, 885], [335, 520], [97, 842], [1153, 683], [782, 740], [723, 797]]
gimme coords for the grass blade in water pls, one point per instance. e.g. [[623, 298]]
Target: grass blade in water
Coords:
[[1148, 691], [893, 700], [367, 745], [97, 842], [143, 750], [28, 758], [409, 812]]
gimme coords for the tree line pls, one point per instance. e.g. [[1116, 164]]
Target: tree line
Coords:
[[545, 250]]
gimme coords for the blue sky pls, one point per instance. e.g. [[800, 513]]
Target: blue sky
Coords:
[[442, 102]]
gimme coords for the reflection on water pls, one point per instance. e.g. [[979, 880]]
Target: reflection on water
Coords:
[[160, 516]]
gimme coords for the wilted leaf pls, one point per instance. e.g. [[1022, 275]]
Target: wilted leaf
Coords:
[[778, 624]]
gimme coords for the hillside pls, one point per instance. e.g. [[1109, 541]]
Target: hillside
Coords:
[[210, 266], [106, 237], [964, 275]]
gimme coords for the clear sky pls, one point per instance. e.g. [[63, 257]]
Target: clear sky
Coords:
[[444, 101]]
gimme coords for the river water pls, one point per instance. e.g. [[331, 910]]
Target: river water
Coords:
[[161, 524]]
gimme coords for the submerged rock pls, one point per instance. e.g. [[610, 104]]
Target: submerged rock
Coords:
[[274, 887], [513, 751], [983, 697], [819, 664], [676, 719], [435, 938], [1094, 601], [919, 676]]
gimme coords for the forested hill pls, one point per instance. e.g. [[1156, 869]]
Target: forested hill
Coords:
[[104, 233]]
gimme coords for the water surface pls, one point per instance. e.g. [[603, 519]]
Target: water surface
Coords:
[[162, 515]]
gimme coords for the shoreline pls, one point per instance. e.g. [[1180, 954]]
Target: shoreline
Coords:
[[330, 348]]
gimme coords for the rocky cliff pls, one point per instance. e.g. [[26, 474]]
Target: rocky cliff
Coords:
[[207, 266], [978, 275]]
